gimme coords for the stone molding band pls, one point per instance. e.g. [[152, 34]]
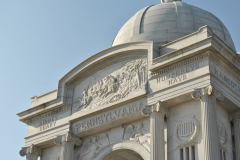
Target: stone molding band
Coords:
[[30, 150]]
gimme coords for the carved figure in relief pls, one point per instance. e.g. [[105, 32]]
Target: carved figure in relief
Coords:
[[222, 136], [85, 99], [130, 78], [139, 132], [93, 146]]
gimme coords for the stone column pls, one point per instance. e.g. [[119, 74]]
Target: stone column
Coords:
[[157, 144], [68, 141], [32, 152], [208, 96], [236, 126]]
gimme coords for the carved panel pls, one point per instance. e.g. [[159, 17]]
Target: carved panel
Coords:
[[92, 146], [186, 131], [222, 136], [139, 132], [129, 79]]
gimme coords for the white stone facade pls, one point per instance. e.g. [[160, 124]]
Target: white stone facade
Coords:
[[143, 100]]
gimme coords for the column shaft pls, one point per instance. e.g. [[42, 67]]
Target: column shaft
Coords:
[[31, 157], [67, 150], [157, 136], [236, 125], [209, 128], [191, 153]]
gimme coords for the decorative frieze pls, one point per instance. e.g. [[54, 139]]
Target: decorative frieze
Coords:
[[32, 152], [132, 77], [186, 131]]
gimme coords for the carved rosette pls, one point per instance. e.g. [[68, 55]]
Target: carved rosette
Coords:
[[30, 150], [158, 107], [210, 90], [68, 137], [186, 131]]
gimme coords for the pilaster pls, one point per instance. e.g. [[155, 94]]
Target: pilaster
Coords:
[[236, 125], [208, 96], [68, 141], [32, 152], [157, 113]]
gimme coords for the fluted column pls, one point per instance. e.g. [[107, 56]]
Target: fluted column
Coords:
[[236, 125], [68, 141], [32, 152], [208, 96], [157, 145]]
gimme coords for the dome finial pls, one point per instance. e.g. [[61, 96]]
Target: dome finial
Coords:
[[166, 1]]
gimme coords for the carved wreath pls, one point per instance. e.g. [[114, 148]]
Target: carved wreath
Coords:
[[194, 135]]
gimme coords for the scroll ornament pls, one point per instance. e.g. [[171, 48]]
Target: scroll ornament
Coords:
[[158, 107], [210, 90], [68, 137], [30, 150]]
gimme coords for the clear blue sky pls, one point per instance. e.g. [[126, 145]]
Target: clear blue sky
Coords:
[[41, 40]]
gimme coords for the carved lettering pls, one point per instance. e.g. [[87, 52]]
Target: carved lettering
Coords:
[[48, 123], [108, 117], [178, 75], [231, 83]]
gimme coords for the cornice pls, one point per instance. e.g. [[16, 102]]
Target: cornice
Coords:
[[210, 42], [24, 116]]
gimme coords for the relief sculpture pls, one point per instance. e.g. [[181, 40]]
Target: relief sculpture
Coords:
[[139, 132], [222, 136], [92, 146], [130, 78], [186, 131]]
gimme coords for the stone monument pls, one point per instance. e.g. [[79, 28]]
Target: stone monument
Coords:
[[167, 89]]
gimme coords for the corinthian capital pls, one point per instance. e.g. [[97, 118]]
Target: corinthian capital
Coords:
[[30, 150], [210, 90], [158, 107], [68, 137]]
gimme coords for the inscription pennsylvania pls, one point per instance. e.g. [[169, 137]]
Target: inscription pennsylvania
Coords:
[[109, 116]]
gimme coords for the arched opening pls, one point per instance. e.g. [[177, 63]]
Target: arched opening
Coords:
[[122, 154], [128, 147]]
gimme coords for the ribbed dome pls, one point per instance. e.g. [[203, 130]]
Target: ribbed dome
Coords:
[[169, 21]]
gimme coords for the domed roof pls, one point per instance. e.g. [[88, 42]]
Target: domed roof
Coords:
[[169, 21]]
